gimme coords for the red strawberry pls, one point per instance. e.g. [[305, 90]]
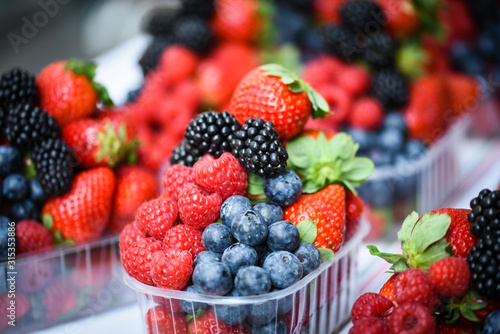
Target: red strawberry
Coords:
[[370, 305], [59, 298], [402, 17], [134, 186], [236, 20], [171, 268], [354, 211], [450, 276], [412, 318], [184, 237], [33, 236], [328, 10], [464, 94], [22, 306], [67, 90], [339, 103], [367, 114], [78, 216], [130, 234], [322, 71], [313, 133], [208, 323], [174, 178], [354, 80], [160, 321], [327, 209], [177, 63], [157, 216], [136, 260], [224, 176], [263, 93], [387, 289], [197, 208]]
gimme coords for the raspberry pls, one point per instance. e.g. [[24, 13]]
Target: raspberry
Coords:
[[450, 276], [339, 102], [412, 318], [354, 80], [198, 208], [373, 325], [224, 176], [366, 113], [370, 305], [157, 216], [177, 63], [32, 236], [172, 268], [322, 71], [137, 259], [184, 237], [174, 178], [161, 321], [59, 298], [414, 286], [130, 235], [387, 289]]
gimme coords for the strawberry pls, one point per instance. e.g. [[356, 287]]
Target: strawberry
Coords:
[[177, 63], [130, 234], [22, 306], [387, 289], [174, 178], [157, 216], [236, 20], [366, 113], [464, 94], [33, 236], [458, 234], [160, 321], [354, 211], [136, 260], [313, 133], [327, 209], [134, 186], [275, 94], [171, 268], [67, 90], [78, 216], [208, 323], [402, 17], [198, 208]]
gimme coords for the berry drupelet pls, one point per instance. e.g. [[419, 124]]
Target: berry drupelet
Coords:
[[338, 40], [484, 264], [17, 86], [194, 33], [258, 148], [160, 22], [360, 13], [390, 88], [379, 51], [485, 214], [185, 154], [151, 56]]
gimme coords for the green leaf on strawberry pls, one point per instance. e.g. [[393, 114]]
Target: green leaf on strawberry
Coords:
[[326, 254], [321, 162], [308, 231]]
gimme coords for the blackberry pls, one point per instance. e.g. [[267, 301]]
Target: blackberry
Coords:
[[390, 88], [258, 148], [485, 214], [194, 33], [17, 86], [202, 8], [151, 56], [301, 6], [27, 125], [185, 154], [361, 14], [161, 22], [379, 50], [55, 166], [484, 264], [338, 40]]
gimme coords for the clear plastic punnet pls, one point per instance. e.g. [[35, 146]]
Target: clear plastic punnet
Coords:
[[319, 303]]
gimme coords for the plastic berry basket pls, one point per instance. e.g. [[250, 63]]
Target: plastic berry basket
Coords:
[[319, 303], [66, 284]]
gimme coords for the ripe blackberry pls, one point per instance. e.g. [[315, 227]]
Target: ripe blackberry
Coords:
[[194, 33], [390, 88], [361, 14], [484, 264], [379, 50], [202, 8], [161, 22], [55, 166], [338, 40], [17, 86], [258, 148], [485, 214], [185, 154], [27, 125], [151, 56]]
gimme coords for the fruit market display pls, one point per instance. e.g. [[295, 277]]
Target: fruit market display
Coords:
[[242, 212], [447, 279]]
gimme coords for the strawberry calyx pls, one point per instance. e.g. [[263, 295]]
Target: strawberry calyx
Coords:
[[320, 107], [308, 232], [115, 146], [88, 69], [465, 307], [422, 244], [320, 162], [48, 222]]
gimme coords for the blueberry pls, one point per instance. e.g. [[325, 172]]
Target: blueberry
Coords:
[[284, 269], [405, 179], [309, 257], [230, 314], [278, 326], [24, 209], [283, 235], [192, 307], [285, 304], [252, 280], [261, 314], [11, 160], [487, 44], [239, 255], [264, 257], [212, 278], [232, 206], [37, 194], [207, 256], [380, 157], [217, 237], [269, 211], [284, 189], [291, 23], [492, 323], [391, 140], [4, 238], [249, 228], [262, 250], [380, 192], [415, 149], [15, 187], [362, 137], [395, 120]]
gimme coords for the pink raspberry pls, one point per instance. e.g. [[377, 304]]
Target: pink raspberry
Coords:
[[174, 178], [131, 233], [172, 268], [157, 216], [33, 236], [414, 286], [412, 318], [373, 325], [224, 176], [370, 305], [197, 208], [137, 259], [184, 237], [450, 276]]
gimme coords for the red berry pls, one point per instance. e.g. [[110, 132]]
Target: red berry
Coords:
[[224, 176], [197, 208], [322, 71], [177, 63], [414, 286], [174, 178], [137, 259], [59, 298], [366, 113], [339, 103], [23, 305], [354, 80], [208, 323], [184, 237], [353, 212], [32, 236], [370, 305], [161, 321], [373, 325], [172, 268], [450, 276], [412, 318], [35, 277], [130, 235], [157, 216], [387, 289]]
